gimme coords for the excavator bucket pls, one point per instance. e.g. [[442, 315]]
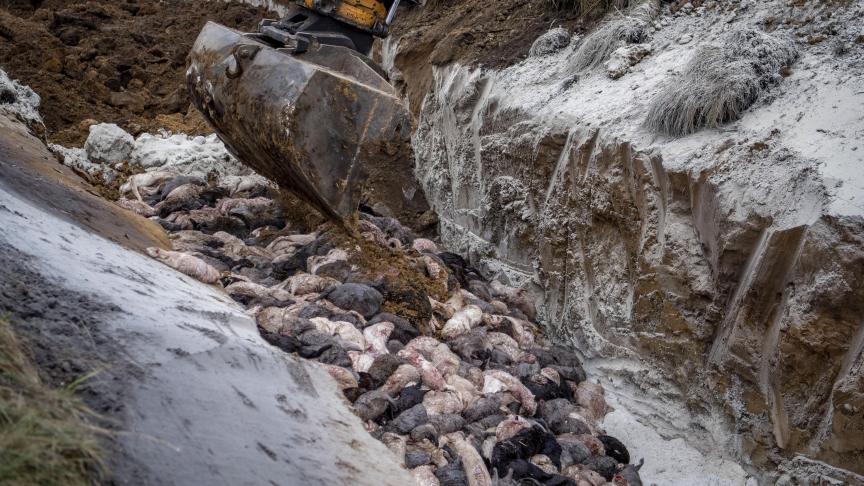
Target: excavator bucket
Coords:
[[314, 122]]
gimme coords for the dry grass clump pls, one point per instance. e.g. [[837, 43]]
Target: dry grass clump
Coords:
[[631, 27], [44, 438], [720, 82]]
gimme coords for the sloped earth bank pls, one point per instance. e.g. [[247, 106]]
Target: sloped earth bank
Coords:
[[714, 278], [180, 377], [493, 34]]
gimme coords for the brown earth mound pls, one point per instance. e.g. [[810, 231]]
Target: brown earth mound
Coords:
[[110, 61]]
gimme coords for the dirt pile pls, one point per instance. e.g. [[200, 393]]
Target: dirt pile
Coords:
[[119, 62]]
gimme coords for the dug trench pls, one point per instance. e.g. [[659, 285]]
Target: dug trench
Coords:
[[626, 261], [699, 247], [458, 383], [178, 383]]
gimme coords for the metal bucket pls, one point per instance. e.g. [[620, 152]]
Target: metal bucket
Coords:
[[311, 122]]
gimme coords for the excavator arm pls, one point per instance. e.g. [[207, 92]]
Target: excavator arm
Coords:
[[300, 102], [371, 16]]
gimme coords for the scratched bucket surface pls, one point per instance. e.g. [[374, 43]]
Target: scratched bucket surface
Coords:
[[312, 122]]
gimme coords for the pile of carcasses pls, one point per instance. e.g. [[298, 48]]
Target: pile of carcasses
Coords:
[[479, 398]]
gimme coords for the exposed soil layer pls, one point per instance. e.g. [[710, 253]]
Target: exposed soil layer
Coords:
[[494, 34], [726, 262], [407, 286], [119, 62]]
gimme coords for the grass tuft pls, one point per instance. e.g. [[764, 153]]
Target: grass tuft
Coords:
[[630, 27], [44, 437], [720, 82]]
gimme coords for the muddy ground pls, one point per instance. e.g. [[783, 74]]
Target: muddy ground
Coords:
[[62, 329], [111, 61]]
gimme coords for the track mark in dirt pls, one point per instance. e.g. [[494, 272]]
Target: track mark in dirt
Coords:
[[210, 333], [244, 398], [301, 377], [220, 317], [282, 404], [179, 352], [267, 451]]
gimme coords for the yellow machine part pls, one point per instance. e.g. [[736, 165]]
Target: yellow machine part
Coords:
[[363, 14]]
